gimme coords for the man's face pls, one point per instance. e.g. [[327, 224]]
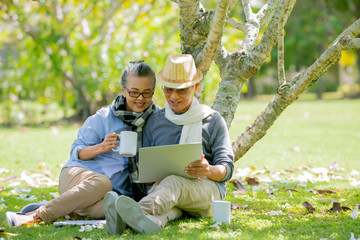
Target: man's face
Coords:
[[180, 99]]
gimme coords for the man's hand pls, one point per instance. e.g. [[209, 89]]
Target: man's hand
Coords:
[[202, 169], [199, 169]]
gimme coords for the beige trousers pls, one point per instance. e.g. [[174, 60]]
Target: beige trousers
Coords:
[[174, 194], [81, 191]]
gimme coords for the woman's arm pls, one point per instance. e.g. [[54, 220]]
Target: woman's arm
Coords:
[[90, 152]]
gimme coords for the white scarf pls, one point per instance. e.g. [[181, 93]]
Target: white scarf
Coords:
[[191, 119]]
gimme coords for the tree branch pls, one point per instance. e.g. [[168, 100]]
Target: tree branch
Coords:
[[234, 24], [207, 55], [292, 90], [281, 67], [252, 28], [269, 39], [247, 10], [352, 44], [266, 12]]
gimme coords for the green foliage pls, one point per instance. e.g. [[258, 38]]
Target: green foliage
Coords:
[[74, 52]]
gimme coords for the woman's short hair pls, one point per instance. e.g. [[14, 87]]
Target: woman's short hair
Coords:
[[138, 68]]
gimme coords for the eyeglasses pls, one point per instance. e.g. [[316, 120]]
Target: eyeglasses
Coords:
[[181, 91], [136, 94]]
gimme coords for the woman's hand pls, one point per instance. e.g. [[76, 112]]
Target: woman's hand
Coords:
[[109, 142], [90, 152]]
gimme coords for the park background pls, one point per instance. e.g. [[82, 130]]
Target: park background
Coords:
[[59, 63]]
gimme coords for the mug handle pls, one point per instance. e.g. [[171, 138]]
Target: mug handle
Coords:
[[118, 148]]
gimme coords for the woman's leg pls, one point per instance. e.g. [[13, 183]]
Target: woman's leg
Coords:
[[81, 191]]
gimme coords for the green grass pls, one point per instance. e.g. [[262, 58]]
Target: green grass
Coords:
[[312, 133]]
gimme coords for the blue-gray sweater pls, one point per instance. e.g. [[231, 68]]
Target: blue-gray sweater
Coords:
[[216, 142]]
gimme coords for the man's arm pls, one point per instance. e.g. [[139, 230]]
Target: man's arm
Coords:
[[202, 169]]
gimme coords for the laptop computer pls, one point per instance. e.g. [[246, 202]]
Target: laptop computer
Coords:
[[156, 163]]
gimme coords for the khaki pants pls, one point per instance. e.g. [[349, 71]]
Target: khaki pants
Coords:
[[173, 194], [81, 191]]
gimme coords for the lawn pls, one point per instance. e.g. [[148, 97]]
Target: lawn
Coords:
[[311, 153]]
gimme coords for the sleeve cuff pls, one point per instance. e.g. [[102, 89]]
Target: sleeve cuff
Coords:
[[75, 152]]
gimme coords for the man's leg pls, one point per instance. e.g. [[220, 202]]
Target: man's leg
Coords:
[[194, 196], [81, 191], [173, 194]]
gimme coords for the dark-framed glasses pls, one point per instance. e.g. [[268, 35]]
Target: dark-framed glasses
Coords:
[[181, 91], [136, 94]]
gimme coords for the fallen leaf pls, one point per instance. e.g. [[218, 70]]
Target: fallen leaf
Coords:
[[252, 181], [336, 208], [291, 189], [296, 149], [235, 206], [270, 192], [334, 166], [265, 170], [239, 185], [216, 226], [354, 214], [274, 213], [11, 178], [354, 173], [4, 170], [290, 194], [309, 207], [321, 192], [2, 232]]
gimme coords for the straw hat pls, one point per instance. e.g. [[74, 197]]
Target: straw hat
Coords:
[[179, 72]]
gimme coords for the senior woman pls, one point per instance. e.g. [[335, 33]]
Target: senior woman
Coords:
[[93, 168]]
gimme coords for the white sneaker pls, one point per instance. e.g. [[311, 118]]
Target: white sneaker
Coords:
[[131, 213], [114, 223], [11, 219]]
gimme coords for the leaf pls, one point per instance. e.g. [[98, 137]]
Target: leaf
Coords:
[[354, 214], [336, 208], [291, 189], [239, 185], [270, 192], [252, 181], [236, 206], [2, 232], [11, 178], [321, 192], [4, 170], [309, 207]]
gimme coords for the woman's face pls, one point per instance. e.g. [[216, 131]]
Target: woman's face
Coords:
[[136, 84]]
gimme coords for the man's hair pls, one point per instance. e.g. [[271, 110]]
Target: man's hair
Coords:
[[138, 68]]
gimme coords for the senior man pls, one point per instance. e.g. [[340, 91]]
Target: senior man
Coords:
[[183, 120]]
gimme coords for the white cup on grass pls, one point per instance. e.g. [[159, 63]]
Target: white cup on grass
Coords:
[[222, 211]]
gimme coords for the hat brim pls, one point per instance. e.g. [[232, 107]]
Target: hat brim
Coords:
[[197, 78]]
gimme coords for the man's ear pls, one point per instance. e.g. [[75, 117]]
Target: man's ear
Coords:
[[197, 87], [122, 90]]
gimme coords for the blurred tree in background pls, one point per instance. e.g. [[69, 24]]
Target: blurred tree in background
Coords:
[[73, 52], [311, 28]]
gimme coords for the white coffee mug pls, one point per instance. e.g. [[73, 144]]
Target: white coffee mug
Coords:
[[128, 144], [221, 211]]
